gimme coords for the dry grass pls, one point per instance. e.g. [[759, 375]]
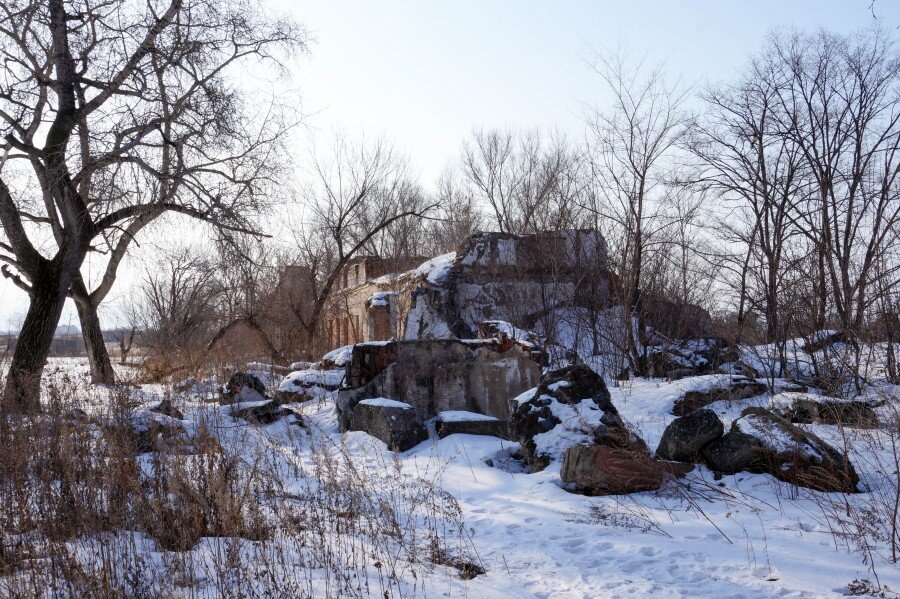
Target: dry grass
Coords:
[[84, 514]]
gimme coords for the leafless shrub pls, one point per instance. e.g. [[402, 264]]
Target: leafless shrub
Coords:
[[869, 523]]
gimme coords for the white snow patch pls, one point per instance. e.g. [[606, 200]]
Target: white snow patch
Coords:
[[312, 378], [463, 416], [339, 356], [436, 269], [577, 424], [384, 402], [381, 298], [524, 396]]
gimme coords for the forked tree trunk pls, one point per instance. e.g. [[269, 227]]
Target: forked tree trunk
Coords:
[[101, 366], [23, 382]]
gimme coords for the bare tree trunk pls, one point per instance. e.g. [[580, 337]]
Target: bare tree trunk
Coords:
[[98, 357], [23, 382], [891, 321]]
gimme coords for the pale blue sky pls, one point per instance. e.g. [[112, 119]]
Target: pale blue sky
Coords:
[[425, 73]]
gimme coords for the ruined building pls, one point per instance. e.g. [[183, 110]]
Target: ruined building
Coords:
[[492, 276], [348, 318]]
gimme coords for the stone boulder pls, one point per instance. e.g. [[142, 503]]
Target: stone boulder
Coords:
[[734, 452], [304, 385], [823, 339], [733, 389], [687, 435], [605, 470], [243, 387], [572, 384], [570, 406], [759, 441], [335, 359], [393, 422], [265, 411], [166, 408], [147, 430], [691, 357], [469, 423], [806, 408]]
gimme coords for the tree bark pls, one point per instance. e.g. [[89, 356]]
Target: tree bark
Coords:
[[23, 382], [98, 357], [101, 366]]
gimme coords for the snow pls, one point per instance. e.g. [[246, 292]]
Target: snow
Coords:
[[506, 252], [463, 416], [340, 356], [577, 424], [436, 269], [384, 402], [381, 298], [744, 536], [143, 419], [559, 385], [245, 405], [312, 378], [523, 397], [773, 436], [786, 399]]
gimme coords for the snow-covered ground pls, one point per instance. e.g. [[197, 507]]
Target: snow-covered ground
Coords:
[[745, 535]]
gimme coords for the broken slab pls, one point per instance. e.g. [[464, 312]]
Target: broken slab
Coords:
[[734, 389], [806, 408], [304, 385], [760, 441], [469, 423], [438, 375], [393, 422]]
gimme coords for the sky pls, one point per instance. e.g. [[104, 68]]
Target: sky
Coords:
[[424, 74]]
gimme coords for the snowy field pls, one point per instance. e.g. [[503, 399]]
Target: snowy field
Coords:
[[745, 535]]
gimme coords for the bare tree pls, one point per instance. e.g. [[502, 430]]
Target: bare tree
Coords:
[[841, 109], [756, 175], [457, 217], [354, 195], [248, 303], [177, 310], [632, 144], [528, 183], [112, 115]]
